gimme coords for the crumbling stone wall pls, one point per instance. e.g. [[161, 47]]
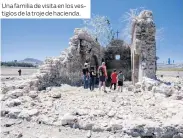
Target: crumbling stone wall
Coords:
[[143, 48], [67, 67]]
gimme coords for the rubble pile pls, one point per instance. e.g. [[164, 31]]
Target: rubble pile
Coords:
[[152, 111]]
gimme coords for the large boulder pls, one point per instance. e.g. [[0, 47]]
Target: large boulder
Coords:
[[33, 94], [16, 93], [69, 119], [115, 124], [131, 88], [164, 89], [177, 95], [13, 113], [13, 102], [148, 84], [55, 94], [5, 89], [26, 114]]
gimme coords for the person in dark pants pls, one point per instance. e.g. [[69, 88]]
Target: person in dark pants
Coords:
[[20, 72], [102, 76], [114, 79], [92, 78], [121, 79], [86, 76]]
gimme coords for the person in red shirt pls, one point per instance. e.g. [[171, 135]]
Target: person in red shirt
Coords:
[[114, 79]]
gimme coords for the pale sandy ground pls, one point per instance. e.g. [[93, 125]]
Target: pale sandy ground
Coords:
[[170, 73], [13, 71]]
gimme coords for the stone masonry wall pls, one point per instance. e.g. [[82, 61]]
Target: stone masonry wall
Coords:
[[67, 67], [144, 46]]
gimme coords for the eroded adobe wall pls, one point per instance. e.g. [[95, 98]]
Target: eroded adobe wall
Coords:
[[143, 47], [67, 67]]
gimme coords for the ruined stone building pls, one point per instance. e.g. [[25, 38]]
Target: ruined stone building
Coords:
[[136, 60]]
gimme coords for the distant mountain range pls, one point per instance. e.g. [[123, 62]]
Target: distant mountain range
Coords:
[[31, 61]]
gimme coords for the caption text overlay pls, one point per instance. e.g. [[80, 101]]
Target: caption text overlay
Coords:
[[66, 9]]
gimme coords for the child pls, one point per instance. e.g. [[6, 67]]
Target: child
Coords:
[[120, 78], [114, 79]]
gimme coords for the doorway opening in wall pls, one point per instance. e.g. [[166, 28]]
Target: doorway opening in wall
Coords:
[[117, 57]]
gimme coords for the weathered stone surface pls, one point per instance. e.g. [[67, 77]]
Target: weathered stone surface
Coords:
[[111, 113], [16, 93], [177, 95], [164, 89], [13, 113], [138, 85], [68, 119], [5, 89], [66, 68], [13, 102], [141, 114], [16, 134], [81, 112], [131, 88], [88, 134], [143, 47], [85, 125], [33, 94], [115, 124], [56, 94], [26, 114], [11, 122], [43, 119]]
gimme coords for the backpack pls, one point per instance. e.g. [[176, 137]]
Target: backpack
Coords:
[[101, 71]]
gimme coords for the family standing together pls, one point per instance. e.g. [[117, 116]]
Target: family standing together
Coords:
[[90, 76]]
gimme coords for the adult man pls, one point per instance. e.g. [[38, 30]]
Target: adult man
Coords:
[[102, 76], [92, 78], [86, 76]]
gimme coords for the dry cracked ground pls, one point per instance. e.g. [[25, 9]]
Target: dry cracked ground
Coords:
[[68, 111]]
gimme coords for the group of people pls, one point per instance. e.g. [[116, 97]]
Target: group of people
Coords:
[[117, 79], [90, 75]]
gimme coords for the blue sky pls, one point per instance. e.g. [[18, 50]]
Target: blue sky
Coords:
[[41, 38]]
